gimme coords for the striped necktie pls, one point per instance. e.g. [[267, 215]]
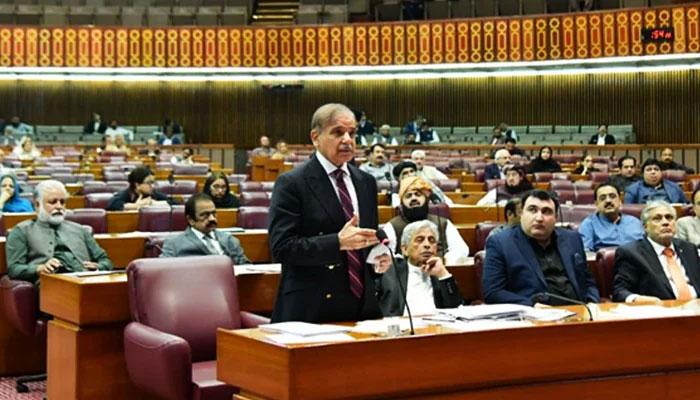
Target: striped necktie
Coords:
[[354, 256]]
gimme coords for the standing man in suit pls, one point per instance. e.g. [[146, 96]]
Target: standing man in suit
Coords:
[[535, 258], [495, 171], [323, 219], [657, 267], [201, 237]]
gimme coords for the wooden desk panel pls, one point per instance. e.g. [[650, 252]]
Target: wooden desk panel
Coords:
[[465, 198], [122, 221]]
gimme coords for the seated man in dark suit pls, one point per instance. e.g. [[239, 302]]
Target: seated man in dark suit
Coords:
[[423, 276], [657, 267], [495, 171], [201, 238], [534, 258]]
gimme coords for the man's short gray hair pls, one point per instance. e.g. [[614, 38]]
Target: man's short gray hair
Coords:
[[501, 152], [327, 113], [656, 204], [46, 185], [414, 227], [417, 153]]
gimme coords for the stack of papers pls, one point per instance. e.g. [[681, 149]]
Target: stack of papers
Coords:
[[379, 326], [500, 312], [84, 274], [637, 312], [304, 332], [257, 268]]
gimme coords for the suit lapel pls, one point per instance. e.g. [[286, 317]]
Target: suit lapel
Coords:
[[655, 266], [567, 262], [362, 200], [528, 253], [689, 258], [196, 242], [222, 239], [322, 189]]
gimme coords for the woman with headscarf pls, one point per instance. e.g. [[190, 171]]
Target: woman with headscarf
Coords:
[[26, 150], [515, 185], [10, 202], [544, 162], [217, 187]]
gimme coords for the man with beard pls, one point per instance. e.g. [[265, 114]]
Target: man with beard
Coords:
[[201, 237], [609, 227], [414, 193], [377, 165], [49, 244], [385, 137], [421, 275], [668, 163], [408, 168], [516, 184]]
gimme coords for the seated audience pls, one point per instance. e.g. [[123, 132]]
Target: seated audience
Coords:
[[609, 227], [653, 187], [657, 267], [535, 258], [421, 273], [217, 187], [50, 244], [408, 168], [168, 137], [118, 145], [602, 138], [377, 166], [688, 227], [585, 166], [107, 143], [115, 130], [425, 171], [411, 140], [385, 137], [514, 151], [495, 170], [507, 131], [264, 149], [95, 125], [8, 137], [498, 139], [414, 194], [177, 128], [513, 210], [414, 126], [628, 174], [282, 151], [427, 135], [365, 127], [139, 193], [544, 162], [201, 237], [668, 163], [19, 127], [186, 157], [26, 150], [515, 185], [10, 202], [151, 149]]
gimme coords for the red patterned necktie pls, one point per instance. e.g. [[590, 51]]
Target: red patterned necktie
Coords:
[[354, 256]]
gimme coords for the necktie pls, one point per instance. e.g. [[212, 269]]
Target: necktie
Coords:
[[209, 243], [677, 275], [354, 256]]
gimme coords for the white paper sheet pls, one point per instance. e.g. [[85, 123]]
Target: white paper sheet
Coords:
[[304, 328], [286, 338]]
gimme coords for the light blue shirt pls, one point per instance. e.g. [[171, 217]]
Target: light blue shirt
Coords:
[[598, 232]]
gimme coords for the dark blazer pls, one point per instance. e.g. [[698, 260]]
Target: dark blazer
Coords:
[[305, 218], [445, 292], [513, 275], [491, 171], [638, 270], [609, 139], [90, 127], [188, 244]]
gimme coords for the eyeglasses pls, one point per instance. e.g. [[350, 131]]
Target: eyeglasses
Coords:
[[218, 187]]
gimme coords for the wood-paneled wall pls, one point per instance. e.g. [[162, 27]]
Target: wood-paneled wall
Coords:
[[663, 106]]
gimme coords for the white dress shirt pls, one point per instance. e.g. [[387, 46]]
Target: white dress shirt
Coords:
[[419, 292], [659, 250], [430, 173], [330, 168], [125, 133], [215, 242], [457, 249], [601, 140]]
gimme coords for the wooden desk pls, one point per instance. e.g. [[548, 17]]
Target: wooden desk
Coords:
[[625, 359]]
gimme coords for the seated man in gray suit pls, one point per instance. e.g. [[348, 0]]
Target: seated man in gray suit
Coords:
[[201, 238], [425, 280], [50, 244]]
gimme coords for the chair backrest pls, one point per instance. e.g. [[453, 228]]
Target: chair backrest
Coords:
[[237, 178], [157, 298], [566, 196], [478, 174], [190, 169], [494, 183], [605, 271], [255, 199], [19, 303], [634, 210], [154, 243], [576, 214], [115, 176], [177, 187], [93, 217], [97, 200], [482, 233], [155, 219], [583, 185], [557, 185], [449, 185], [675, 175], [250, 187], [543, 176], [479, 258], [599, 177], [561, 176], [253, 217], [64, 178]]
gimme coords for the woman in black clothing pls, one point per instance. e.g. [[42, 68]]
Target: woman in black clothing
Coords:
[[585, 166], [140, 193], [544, 162], [217, 187]]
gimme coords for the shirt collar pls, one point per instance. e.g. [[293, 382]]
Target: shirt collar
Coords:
[[328, 166], [200, 235], [659, 248]]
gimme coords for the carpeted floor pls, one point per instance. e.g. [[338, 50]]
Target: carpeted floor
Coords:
[[37, 390]]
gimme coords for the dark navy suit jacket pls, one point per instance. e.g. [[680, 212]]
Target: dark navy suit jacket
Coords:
[[491, 171], [513, 275]]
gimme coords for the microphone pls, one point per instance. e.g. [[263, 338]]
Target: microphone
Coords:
[[387, 175], [435, 199], [383, 239], [545, 297]]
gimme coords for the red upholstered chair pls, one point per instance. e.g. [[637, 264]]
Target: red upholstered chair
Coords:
[[566, 196], [94, 217], [19, 303], [494, 183], [190, 169], [449, 185], [64, 178], [479, 175], [479, 258], [170, 347], [634, 210], [250, 187], [585, 197], [253, 217], [576, 214], [114, 154], [256, 199], [583, 185], [112, 159], [84, 177], [154, 243], [115, 176], [177, 187], [477, 165], [267, 186], [97, 200], [543, 176], [179, 221], [482, 233], [382, 187], [155, 219], [599, 177], [51, 170], [443, 166], [675, 175], [558, 184], [456, 162], [605, 271], [118, 186]]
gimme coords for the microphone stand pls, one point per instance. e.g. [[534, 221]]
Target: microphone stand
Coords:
[[547, 295], [385, 242]]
